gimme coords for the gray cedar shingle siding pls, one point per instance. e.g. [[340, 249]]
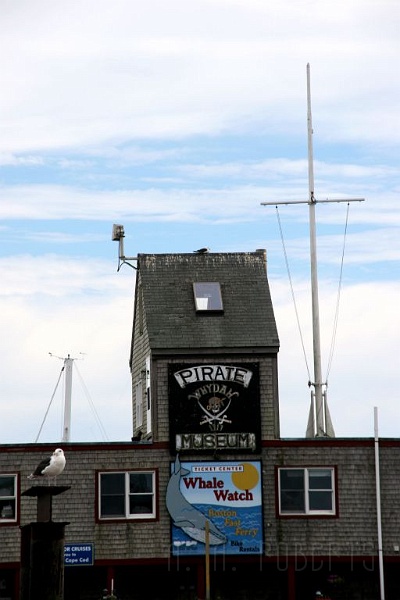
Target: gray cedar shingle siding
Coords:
[[248, 321], [352, 533]]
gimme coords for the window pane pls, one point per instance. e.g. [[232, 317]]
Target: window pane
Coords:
[[208, 296], [320, 479], [140, 503], [112, 490], [7, 509], [292, 490], [141, 483], [113, 483], [8, 497], [7, 485], [292, 502], [292, 479], [112, 506], [320, 500], [139, 404]]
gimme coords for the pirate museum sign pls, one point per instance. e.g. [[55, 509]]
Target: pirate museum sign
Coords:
[[214, 407]]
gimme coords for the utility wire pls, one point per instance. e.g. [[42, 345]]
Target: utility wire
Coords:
[[292, 292]]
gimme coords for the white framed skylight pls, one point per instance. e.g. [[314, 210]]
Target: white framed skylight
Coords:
[[207, 296]]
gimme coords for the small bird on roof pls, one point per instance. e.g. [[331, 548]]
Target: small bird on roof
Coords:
[[50, 467], [202, 250]]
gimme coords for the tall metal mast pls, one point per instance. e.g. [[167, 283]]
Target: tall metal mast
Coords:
[[320, 426], [319, 421], [67, 399], [67, 369]]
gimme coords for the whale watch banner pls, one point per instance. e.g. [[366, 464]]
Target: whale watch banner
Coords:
[[214, 407], [218, 501]]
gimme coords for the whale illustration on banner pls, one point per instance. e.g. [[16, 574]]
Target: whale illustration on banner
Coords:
[[184, 515]]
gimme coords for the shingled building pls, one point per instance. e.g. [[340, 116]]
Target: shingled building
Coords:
[[196, 309], [207, 499]]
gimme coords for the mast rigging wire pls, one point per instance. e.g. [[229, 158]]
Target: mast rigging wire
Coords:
[[48, 408], [292, 292], [90, 401], [92, 406], [336, 318]]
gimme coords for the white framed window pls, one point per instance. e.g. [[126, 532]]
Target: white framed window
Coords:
[[149, 424], [207, 296], [307, 491], [8, 498], [139, 404], [127, 495]]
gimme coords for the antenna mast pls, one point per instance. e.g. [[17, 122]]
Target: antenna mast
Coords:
[[118, 234], [320, 425], [319, 421], [67, 368], [67, 399]]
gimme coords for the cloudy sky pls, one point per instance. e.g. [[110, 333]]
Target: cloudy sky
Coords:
[[178, 119]]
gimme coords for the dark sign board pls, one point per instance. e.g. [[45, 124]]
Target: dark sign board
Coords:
[[78, 555], [216, 501], [214, 407]]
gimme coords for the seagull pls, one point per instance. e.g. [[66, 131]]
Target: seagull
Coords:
[[50, 467], [202, 250]]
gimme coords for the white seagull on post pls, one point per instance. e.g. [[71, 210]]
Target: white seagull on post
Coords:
[[50, 467]]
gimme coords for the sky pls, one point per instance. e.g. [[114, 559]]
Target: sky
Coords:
[[178, 120]]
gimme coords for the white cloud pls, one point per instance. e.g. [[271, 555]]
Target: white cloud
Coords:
[[157, 70], [365, 361], [243, 199], [102, 107], [65, 308], [18, 161], [94, 317]]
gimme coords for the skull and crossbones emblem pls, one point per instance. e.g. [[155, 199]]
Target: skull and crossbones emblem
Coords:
[[214, 410]]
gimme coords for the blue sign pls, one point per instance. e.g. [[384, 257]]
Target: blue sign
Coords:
[[218, 502], [78, 555]]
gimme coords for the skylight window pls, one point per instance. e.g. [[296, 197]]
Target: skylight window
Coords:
[[207, 296]]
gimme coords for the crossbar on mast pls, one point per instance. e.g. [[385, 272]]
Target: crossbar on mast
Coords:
[[319, 422], [315, 201]]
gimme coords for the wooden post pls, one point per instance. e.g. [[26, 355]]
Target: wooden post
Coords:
[[44, 495], [42, 550]]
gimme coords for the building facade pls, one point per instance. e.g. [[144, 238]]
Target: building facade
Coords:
[[207, 500]]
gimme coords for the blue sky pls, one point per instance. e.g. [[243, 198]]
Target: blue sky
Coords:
[[178, 120]]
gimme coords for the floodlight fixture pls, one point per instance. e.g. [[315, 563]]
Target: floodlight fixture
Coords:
[[118, 235]]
